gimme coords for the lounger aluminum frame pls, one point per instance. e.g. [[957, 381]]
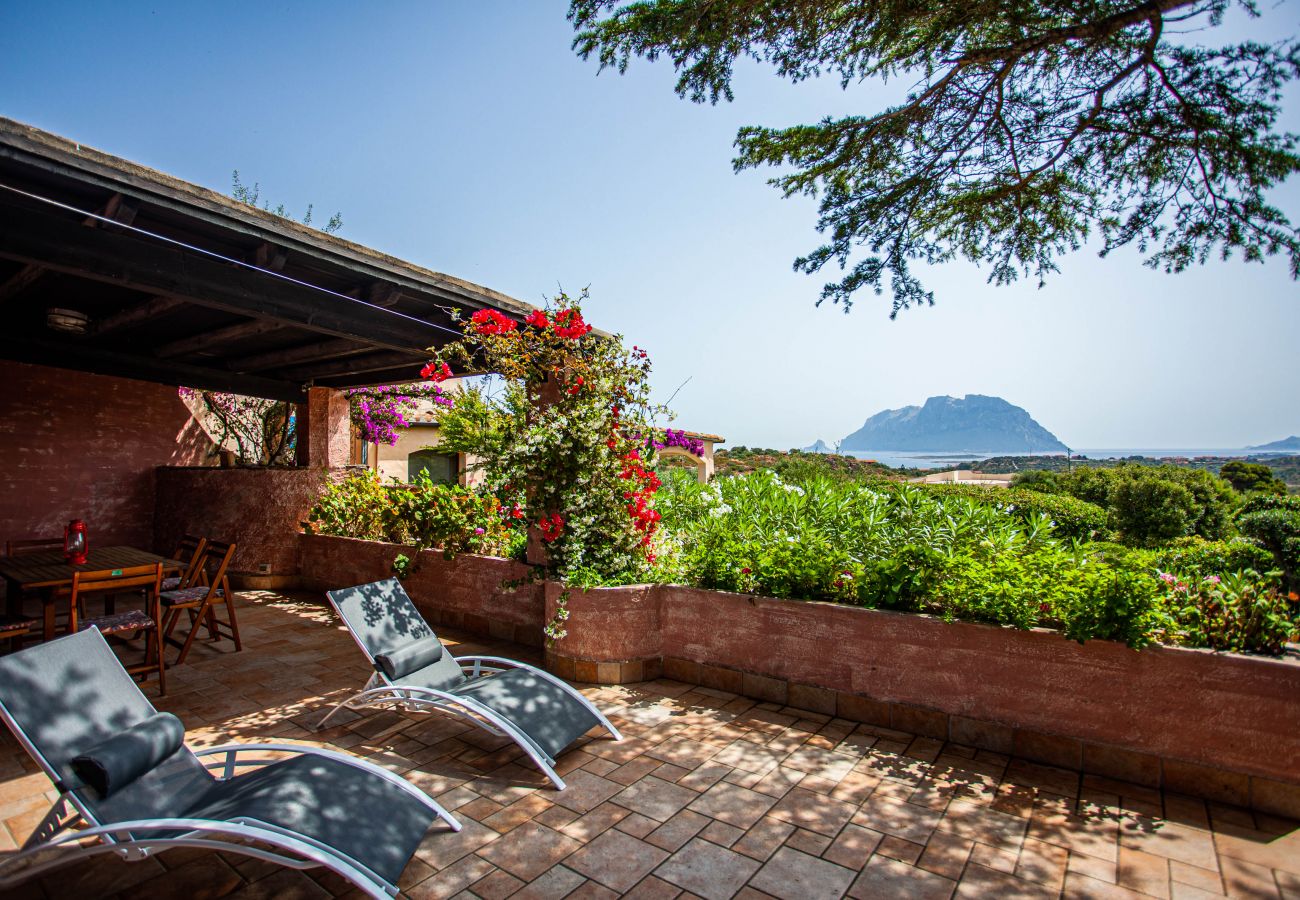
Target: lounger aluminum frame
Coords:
[[381, 691], [72, 819]]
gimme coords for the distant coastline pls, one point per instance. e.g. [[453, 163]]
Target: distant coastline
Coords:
[[943, 459]]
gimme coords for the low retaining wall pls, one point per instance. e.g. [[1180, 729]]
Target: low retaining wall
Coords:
[[465, 592], [1217, 725]]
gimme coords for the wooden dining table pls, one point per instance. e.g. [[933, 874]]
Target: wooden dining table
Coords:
[[49, 575]]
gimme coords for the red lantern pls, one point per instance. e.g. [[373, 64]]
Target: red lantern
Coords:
[[75, 543]]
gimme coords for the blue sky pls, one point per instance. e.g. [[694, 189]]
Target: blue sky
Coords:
[[468, 138]]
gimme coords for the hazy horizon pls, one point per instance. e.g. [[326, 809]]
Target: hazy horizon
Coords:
[[470, 139]]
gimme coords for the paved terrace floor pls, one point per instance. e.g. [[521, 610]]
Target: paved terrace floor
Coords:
[[709, 795]]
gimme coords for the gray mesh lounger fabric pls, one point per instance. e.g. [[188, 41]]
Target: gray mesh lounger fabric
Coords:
[[70, 695], [547, 714]]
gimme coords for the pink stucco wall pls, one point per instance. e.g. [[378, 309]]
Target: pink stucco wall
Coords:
[[473, 592], [260, 509]]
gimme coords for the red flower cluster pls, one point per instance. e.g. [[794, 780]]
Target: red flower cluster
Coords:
[[551, 527], [569, 324], [537, 319], [577, 385], [436, 372], [645, 518], [489, 321]]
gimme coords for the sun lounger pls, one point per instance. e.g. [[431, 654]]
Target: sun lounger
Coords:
[[125, 776], [536, 710]]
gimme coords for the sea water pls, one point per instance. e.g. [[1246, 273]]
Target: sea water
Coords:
[[942, 459]]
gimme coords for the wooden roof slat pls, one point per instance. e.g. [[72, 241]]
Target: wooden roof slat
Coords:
[[313, 352], [36, 236], [217, 337]]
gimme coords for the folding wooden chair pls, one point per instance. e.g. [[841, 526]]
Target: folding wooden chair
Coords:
[[25, 547], [189, 549], [134, 621], [200, 602], [32, 545], [14, 628]]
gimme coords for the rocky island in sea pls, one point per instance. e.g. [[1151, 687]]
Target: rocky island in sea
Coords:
[[971, 423]]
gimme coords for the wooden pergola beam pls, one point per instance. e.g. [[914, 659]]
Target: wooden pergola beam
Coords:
[[134, 315], [405, 361], [127, 365], [20, 281], [313, 352], [38, 237], [216, 337]]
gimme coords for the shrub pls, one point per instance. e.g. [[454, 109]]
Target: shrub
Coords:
[[1195, 556], [1275, 523], [1249, 478], [1085, 599], [452, 518], [1037, 480], [1150, 505]]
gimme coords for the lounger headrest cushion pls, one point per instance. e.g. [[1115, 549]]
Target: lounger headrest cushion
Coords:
[[415, 656], [114, 763]]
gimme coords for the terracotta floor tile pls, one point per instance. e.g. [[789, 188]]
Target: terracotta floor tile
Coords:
[[653, 797], [887, 878], [672, 834], [721, 833], [946, 855], [1042, 863], [979, 881], [637, 825], [1080, 885], [1194, 876], [904, 820], [497, 886], [763, 839], [1244, 879], [551, 885], [733, 804], [585, 791], [529, 850], [446, 883], [1169, 839], [616, 860], [1091, 866], [808, 841], [825, 815], [899, 849], [790, 873], [707, 870], [1144, 872], [852, 847], [983, 824], [653, 888], [585, 828]]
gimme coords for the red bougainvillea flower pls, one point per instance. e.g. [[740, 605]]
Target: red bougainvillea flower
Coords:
[[551, 527], [436, 372], [537, 318], [745, 571], [569, 324], [489, 321], [577, 385]]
